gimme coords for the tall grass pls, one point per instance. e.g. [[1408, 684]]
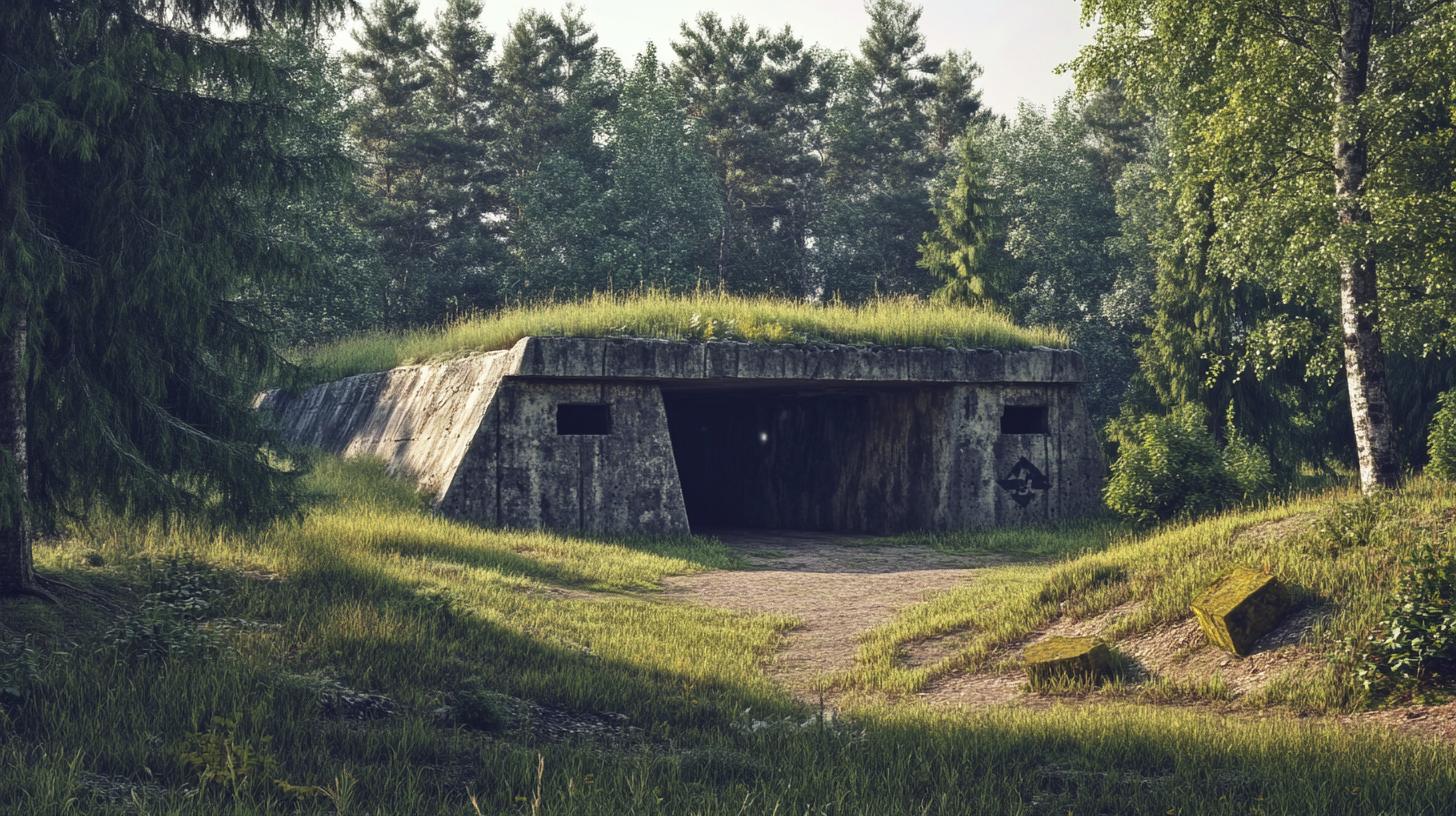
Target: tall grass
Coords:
[[891, 322], [369, 592]]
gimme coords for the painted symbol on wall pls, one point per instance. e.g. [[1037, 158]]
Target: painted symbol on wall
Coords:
[[1023, 480]]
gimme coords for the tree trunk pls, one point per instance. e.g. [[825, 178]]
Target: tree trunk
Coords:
[[16, 572], [1359, 296]]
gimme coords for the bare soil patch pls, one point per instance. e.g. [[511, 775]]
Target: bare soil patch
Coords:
[[838, 586]]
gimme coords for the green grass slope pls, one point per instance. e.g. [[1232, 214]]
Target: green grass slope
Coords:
[[371, 658], [890, 322], [1339, 555]]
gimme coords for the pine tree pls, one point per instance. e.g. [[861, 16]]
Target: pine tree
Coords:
[[555, 92], [955, 251], [663, 207], [880, 163], [134, 147], [761, 99], [463, 164], [390, 69]]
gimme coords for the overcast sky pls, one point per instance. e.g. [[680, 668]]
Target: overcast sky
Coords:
[[1019, 43]]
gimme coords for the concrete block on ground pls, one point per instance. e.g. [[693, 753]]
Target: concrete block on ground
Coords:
[[1240, 608], [1073, 657]]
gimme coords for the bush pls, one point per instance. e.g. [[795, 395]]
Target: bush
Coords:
[[1441, 444], [1416, 641], [1169, 466], [1249, 466], [1354, 523]]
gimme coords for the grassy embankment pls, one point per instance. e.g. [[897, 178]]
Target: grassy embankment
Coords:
[[891, 322], [245, 665], [1338, 554]]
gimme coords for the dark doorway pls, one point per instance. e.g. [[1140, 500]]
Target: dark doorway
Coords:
[[807, 460]]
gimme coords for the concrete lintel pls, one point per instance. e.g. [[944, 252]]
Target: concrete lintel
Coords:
[[626, 358]]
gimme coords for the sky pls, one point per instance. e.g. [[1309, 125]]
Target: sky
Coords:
[[1019, 43]]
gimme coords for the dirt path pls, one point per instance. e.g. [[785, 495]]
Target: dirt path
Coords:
[[839, 586]]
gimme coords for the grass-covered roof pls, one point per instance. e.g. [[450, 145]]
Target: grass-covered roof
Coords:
[[898, 322]]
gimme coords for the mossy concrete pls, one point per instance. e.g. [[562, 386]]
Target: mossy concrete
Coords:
[[1240, 608], [1078, 658]]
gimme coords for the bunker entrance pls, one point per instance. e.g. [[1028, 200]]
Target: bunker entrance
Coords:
[[781, 458]]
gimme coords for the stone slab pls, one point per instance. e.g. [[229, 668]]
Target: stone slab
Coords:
[[1240, 608], [1084, 658]]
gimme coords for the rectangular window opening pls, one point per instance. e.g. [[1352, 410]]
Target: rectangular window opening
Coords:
[[583, 419], [1025, 419]]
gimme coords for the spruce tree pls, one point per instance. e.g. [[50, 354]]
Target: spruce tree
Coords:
[[957, 102], [135, 143], [880, 161], [390, 70], [761, 98], [462, 164], [955, 251]]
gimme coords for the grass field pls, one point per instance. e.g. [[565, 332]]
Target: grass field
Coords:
[[892, 322], [372, 659]]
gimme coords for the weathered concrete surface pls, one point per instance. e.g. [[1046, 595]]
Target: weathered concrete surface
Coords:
[[521, 473], [637, 359], [420, 419], [722, 433]]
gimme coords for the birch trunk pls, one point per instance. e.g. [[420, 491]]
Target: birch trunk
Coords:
[[1359, 296]]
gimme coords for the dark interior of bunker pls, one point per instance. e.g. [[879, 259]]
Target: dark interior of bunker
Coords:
[[808, 459]]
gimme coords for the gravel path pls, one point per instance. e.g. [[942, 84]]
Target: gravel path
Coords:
[[839, 586]]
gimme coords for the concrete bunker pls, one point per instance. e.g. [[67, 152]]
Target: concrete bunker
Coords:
[[623, 436]]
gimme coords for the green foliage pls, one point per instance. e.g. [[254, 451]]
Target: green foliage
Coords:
[[1249, 466], [1355, 522], [700, 316], [1167, 467], [228, 761], [1415, 643], [1244, 230], [1057, 255], [955, 251], [170, 620], [140, 151], [1441, 443], [663, 205], [761, 99]]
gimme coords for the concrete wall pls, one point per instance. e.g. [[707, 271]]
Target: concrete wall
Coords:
[[879, 440], [521, 473], [419, 419]]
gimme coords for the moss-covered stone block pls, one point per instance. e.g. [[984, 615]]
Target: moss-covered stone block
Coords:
[[1073, 657], [1240, 608]]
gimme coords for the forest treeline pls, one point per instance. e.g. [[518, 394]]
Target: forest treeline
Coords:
[[493, 168]]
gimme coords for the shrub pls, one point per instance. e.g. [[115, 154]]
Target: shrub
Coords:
[[482, 709], [1441, 444], [1416, 641], [1249, 466], [227, 761], [1354, 523], [1168, 466], [169, 622]]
